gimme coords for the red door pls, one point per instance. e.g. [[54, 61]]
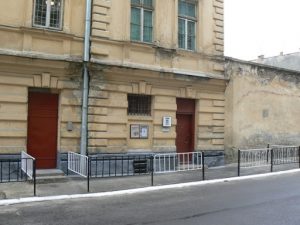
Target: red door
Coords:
[[185, 127], [184, 132], [42, 128]]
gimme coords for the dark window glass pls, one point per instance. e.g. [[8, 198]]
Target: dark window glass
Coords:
[[141, 26], [186, 25], [139, 105]]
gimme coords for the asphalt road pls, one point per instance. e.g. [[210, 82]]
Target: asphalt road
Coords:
[[263, 201]]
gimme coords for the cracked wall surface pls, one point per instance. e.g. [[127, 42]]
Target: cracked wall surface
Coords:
[[263, 105]]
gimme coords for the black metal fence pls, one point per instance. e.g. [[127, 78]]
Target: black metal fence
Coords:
[[18, 170], [120, 165]]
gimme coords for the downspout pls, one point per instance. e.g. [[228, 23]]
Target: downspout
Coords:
[[85, 77]]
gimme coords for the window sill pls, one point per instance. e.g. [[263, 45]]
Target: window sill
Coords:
[[142, 43], [58, 33], [139, 118], [47, 28], [187, 50]]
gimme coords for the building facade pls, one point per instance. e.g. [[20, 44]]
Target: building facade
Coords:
[[156, 77], [40, 77]]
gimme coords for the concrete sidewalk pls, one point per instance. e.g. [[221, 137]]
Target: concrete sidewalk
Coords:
[[77, 185]]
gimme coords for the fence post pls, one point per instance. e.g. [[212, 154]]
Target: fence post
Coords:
[[268, 146], [203, 166], [239, 162], [152, 169], [299, 155], [34, 177], [272, 155], [68, 164], [88, 174]]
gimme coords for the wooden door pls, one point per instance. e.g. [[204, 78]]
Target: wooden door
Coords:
[[184, 133], [42, 128], [185, 127]]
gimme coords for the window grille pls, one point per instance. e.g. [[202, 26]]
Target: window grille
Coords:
[[141, 20], [48, 13], [187, 24], [139, 105]]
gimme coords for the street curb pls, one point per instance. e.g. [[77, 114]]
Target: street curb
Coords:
[[140, 190]]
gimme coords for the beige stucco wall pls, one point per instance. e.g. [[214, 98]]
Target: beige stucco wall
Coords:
[[262, 106], [109, 124], [19, 37], [17, 76], [155, 69], [111, 43]]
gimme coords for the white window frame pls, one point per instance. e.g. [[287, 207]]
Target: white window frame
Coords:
[[186, 32], [187, 19], [48, 11], [142, 22]]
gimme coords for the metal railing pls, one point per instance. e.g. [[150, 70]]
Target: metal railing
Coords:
[[119, 165], [270, 156], [19, 169], [78, 164], [27, 164], [254, 157], [285, 154], [175, 162]]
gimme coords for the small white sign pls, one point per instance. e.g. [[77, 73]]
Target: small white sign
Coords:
[[144, 131], [167, 121]]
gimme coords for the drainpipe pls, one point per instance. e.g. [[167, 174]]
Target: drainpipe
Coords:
[[85, 75]]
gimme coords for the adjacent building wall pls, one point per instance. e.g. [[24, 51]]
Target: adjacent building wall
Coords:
[[262, 106]]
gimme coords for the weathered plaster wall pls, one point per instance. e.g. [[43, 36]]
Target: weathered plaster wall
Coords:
[[262, 106]]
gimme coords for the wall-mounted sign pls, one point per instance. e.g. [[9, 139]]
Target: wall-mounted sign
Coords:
[[144, 131], [134, 131], [167, 121], [138, 131]]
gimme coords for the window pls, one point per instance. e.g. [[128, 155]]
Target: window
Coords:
[[139, 105], [187, 24], [141, 20], [48, 13]]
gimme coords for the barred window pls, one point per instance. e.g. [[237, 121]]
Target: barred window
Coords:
[[187, 24], [139, 105], [141, 28], [48, 13]]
